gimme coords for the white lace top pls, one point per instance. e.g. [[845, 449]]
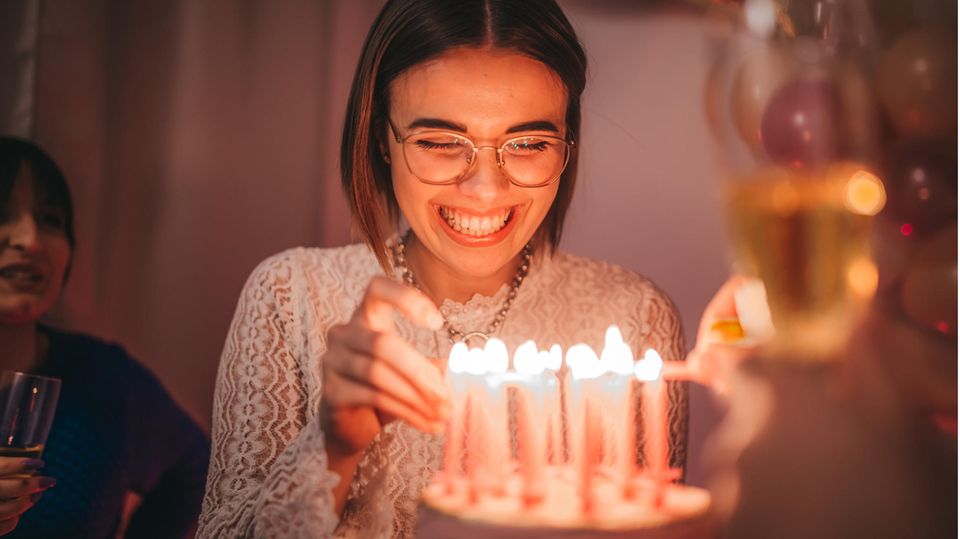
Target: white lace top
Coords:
[[268, 472]]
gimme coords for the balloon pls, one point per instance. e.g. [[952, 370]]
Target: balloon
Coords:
[[803, 122], [917, 83], [929, 292], [761, 75], [920, 179]]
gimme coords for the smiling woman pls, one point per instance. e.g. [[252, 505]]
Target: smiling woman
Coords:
[[463, 120], [116, 431]]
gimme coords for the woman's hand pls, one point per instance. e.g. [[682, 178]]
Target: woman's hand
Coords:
[[372, 376], [19, 490], [726, 336]]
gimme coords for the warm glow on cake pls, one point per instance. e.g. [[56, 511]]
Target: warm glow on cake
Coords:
[[549, 440]]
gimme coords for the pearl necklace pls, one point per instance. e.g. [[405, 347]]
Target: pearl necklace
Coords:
[[453, 333]]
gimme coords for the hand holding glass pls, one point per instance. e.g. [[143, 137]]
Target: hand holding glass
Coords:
[[27, 406]]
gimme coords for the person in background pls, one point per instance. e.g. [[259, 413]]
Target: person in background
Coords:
[[116, 430]]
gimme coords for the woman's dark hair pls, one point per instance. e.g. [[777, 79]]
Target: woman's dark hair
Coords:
[[409, 32], [49, 186]]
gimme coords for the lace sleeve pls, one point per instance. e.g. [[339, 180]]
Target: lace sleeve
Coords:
[[268, 469], [664, 333]]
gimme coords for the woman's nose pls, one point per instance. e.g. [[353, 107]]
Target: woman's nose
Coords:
[[486, 180], [21, 233]]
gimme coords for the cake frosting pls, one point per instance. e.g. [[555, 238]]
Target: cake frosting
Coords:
[[453, 509]]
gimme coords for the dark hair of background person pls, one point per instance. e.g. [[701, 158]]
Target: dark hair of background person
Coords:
[[408, 33], [49, 185]]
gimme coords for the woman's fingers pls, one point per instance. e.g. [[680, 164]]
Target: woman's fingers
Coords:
[[386, 363], [7, 526], [12, 508], [722, 305], [13, 487], [17, 465], [368, 365], [383, 295], [394, 352], [713, 364], [346, 393], [378, 375]]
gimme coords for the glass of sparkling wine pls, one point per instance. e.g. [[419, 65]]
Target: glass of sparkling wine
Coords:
[[794, 114], [27, 405]]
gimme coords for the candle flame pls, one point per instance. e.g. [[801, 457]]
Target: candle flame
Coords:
[[616, 356], [583, 362], [475, 362], [498, 359], [553, 359], [459, 357], [648, 369], [526, 360]]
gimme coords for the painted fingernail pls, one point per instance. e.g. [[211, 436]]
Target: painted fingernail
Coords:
[[46, 482], [33, 464], [35, 497], [434, 320]]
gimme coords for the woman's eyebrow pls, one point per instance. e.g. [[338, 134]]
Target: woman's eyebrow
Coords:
[[437, 123], [537, 125]]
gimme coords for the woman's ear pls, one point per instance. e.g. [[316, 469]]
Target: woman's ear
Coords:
[[383, 132]]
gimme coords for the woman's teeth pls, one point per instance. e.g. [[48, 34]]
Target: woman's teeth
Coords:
[[20, 275], [472, 225]]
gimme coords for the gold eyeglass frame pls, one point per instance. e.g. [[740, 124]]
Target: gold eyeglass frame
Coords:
[[569, 146]]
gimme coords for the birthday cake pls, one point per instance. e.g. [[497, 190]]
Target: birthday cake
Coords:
[[537, 447], [683, 514]]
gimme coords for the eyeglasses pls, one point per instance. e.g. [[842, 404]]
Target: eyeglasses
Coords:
[[443, 158]]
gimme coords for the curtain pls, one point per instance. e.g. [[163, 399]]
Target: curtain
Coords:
[[198, 138]]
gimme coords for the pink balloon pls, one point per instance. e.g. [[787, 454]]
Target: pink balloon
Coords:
[[803, 123]]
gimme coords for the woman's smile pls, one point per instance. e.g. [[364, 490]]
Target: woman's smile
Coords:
[[475, 228]]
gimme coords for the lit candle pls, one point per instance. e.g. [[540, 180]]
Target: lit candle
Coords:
[[476, 427], [456, 425], [621, 448], [497, 419], [555, 412], [531, 405], [655, 449], [584, 369]]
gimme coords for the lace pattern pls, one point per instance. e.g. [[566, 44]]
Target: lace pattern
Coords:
[[268, 471]]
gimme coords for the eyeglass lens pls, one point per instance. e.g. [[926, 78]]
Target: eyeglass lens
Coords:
[[444, 157]]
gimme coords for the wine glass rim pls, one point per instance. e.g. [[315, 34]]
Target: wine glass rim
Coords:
[[31, 375]]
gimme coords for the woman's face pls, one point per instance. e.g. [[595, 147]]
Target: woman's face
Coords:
[[34, 253], [487, 96]]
